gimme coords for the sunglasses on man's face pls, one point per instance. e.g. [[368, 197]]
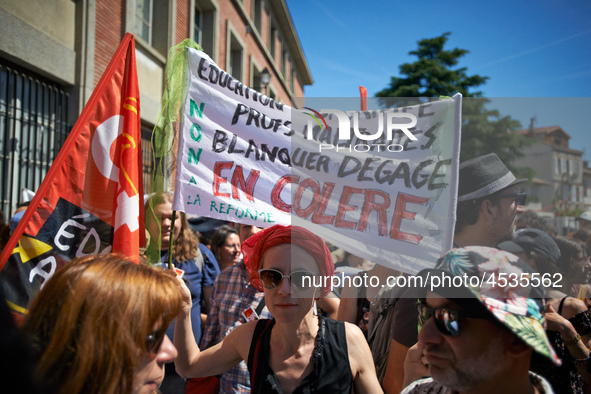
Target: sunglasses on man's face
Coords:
[[447, 320], [299, 280], [519, 197]]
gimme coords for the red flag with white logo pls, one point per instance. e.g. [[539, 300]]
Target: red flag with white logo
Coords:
[[91, 199]]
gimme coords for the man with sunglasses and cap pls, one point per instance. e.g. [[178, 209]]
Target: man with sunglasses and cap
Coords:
[[488, 202], [481, 321]]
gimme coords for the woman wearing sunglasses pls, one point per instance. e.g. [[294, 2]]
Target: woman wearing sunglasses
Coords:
[[98, 326], [297, 351]]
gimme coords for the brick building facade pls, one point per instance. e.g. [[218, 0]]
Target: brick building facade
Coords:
[[53, 53]]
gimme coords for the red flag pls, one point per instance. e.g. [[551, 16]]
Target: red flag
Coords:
[[363, 93], [91, 199]]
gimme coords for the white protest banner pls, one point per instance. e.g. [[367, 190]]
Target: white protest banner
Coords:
[[380, 184]]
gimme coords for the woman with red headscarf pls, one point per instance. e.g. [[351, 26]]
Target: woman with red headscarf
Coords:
[[297, 351]]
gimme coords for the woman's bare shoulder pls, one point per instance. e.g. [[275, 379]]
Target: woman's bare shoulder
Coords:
[[572, 307], [361, 361], [241, 337], [356, 342]]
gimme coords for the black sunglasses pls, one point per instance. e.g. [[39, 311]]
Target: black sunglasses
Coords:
[[154, 341], [299, 280], [447, 320], [519, 197]]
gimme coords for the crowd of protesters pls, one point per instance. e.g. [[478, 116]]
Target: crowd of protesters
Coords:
[[234, 317]]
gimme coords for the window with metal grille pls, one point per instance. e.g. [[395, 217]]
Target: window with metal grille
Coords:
[[147, 157], [33, 127]]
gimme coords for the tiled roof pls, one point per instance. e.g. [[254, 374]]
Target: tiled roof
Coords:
[[544, 130]]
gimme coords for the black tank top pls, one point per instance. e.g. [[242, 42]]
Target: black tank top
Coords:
[[331, 373]]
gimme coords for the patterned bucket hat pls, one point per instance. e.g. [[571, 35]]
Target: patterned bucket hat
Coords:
[[502, 283]]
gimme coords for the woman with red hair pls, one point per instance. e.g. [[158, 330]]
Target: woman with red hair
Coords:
[[98, 326], [296, 351]]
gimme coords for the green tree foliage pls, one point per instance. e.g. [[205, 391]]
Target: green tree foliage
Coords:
[[434, 75], [431, 75]]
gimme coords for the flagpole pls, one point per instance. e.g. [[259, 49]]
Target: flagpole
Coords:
[[171, 241], [363, 94]]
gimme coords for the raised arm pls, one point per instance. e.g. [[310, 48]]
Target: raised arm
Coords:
[[348, 305], [365, 379], [191, 362], [394, 375], [574, 328]]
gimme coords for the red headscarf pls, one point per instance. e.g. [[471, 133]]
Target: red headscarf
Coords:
[[254, 248]]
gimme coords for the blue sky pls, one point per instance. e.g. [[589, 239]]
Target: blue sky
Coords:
[[527, 49]]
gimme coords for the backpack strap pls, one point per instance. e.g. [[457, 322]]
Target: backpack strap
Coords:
[[381, 319], [255, 349], [260, 306], [199, 260], [561, 305]]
